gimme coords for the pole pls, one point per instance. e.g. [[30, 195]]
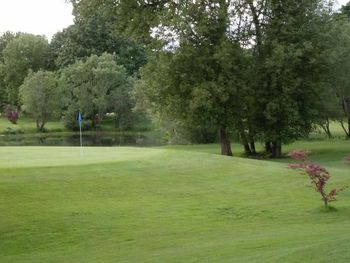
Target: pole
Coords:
[[81, 140]]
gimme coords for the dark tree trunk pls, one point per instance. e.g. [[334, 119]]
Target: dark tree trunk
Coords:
[[251, 140], [252, 147], [344, 129], [247, 150], [268, 147], [326, 129], [276, 149], [225, 142], [42, 126], [245, 143], [346, 108], [95, 121]]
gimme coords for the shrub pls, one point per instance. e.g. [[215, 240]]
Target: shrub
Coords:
[[318, 174], [299, 155], [347, 159], [11, 113]]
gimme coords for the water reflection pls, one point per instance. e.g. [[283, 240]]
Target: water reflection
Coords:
[[91, 139]]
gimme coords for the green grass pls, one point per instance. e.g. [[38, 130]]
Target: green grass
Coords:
[[168, 204], [335, 128], [27, 125]]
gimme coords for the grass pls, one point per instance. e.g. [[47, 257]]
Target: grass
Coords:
[[179, 204], [335, 128], [27, 125]]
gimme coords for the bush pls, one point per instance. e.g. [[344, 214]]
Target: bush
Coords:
[[12, 114], [318, 174]]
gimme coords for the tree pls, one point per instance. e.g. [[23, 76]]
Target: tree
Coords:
[[40, 98], [127, 19], [94, 32], [121, 103], [203, 80], [338, 54], [252, 67], [345, 10], [90, 86], [290, 69], [5, 38], [21, 55]]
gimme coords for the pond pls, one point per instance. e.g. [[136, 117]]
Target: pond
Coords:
[[90, 139]]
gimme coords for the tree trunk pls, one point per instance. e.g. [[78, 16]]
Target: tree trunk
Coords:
[[95, 121], [251, 140], [326, 129], [252, 147], [225, 142], [245, 143], [276, 149], [344, 129], [42, 126], [268, 147], [247, 150], [346, 108]]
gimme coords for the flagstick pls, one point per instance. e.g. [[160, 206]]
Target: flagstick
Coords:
[[81, 140]]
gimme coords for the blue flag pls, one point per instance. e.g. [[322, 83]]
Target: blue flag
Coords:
[[80, 117]]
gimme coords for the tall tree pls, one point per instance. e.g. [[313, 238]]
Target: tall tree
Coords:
[[338, 54], [23, 54], [289, 39], [89, 86], [202, 80], [94, 32], [40, 98], [5, 38]]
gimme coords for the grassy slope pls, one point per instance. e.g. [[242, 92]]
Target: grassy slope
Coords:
[[167, 205]]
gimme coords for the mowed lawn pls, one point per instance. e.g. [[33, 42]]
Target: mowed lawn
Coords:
[[178, 204]]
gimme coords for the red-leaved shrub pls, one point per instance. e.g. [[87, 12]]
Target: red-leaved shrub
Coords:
[[299, 154], [12, 114], [347, 159], [317, 173]]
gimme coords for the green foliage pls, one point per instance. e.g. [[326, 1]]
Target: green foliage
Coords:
[[94, 33], [23, 54], [272, 90], [345, 10], [130, 19], [201, 81], [5, 38], [40, 98], [290, 79], [264, 70], [94, 87]]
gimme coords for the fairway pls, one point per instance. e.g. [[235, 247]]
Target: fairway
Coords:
[[124, 204]]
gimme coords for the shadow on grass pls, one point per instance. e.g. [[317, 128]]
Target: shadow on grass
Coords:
[[328, 209]]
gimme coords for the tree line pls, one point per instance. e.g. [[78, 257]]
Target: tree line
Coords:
[[260, 71]]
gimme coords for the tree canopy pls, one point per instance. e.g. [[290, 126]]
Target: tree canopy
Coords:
[[40, 97], [91, 88], [23, 54], [258, 71]]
